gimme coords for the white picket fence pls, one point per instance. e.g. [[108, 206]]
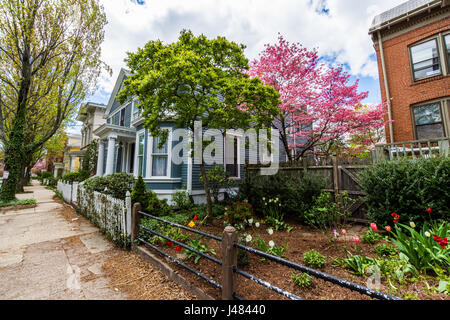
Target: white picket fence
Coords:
[[111, 215]]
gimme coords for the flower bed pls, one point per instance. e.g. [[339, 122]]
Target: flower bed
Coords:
[[335, 247]]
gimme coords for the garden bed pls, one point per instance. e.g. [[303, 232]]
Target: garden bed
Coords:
[[300, 240]]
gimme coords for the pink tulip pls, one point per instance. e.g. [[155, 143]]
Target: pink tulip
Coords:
[[344, 232], [374, 226], [388, 228], [356, 239]]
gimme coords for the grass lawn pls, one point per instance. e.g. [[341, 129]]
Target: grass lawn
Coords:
[[17, 203]]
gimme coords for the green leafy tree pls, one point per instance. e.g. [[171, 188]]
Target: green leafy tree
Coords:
[[49, 59], [89, 163], [197, 79], [139, 192]]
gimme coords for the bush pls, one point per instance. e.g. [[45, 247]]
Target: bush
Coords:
[[296, 192], [303, 280], [218, 178], [72, 177], [116, 184], [326, 213], [181, 200], [407, 188], [155, 206], [139, 192], [45, 175], [238, 214], [314, 259]]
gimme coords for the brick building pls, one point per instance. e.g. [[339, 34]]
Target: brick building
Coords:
[[412, 42]]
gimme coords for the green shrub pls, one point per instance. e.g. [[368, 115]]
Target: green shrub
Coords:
[[181, 200], [303, 280], [314, 259], [72, 177], [326, 213], [116, 184], [407, 187], [155, 206], [45, 175], [139, 192], [296, 192], [238, 214]]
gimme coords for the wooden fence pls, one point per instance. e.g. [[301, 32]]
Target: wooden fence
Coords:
[[340, 175]]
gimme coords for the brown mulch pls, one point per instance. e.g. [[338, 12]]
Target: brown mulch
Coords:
[[299, 240], [140, 280]]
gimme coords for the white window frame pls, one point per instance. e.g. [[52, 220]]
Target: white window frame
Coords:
[[150, 156], [136, 158]]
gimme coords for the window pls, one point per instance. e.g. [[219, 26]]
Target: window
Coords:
[[136, 111], [232, 158], [428, 121], [140, 157], [160, 158], [425, 59], [447, 49]]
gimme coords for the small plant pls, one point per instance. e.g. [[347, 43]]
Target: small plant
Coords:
[[238, 214], [270, 247], [426, 248], [18, 203], [358, 264], [371, 236], [385, 250], [303, 280], [314, 259], [243, 257], [199, 246]]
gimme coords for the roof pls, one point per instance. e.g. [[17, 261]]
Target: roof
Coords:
[[84, 109], [402, 12]]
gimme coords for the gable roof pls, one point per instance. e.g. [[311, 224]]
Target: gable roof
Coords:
[[403, 12], [123, 73]]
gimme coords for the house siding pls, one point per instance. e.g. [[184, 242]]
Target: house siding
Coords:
[[404, 91]]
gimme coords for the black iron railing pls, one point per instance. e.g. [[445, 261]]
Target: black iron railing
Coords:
[[318, 274]]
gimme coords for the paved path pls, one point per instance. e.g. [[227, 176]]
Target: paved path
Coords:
[[50, 252]]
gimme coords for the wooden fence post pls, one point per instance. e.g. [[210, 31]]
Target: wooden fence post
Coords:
[[229, 261], [335, 179], [135, 220]]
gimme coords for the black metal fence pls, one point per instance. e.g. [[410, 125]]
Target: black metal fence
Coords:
[[229, 252]]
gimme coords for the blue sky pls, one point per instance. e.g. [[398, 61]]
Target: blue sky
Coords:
[[338, 29]]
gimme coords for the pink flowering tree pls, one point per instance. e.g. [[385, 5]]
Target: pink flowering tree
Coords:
[[320, 108]]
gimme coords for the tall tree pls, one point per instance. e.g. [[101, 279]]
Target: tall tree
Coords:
[[49, 60], [320, 108], [197, 79]]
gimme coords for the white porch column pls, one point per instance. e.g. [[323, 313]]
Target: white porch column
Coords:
[[110, 156], [100, 158], [72, 164]]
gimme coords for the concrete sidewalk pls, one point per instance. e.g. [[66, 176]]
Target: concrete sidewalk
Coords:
[[50, 252]]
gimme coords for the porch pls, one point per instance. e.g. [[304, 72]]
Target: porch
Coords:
[[116, 149]]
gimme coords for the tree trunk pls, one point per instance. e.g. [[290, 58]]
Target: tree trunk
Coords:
[[207, 190], [14, 150]]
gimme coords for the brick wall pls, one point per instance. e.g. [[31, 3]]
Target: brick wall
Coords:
[[403, 90]]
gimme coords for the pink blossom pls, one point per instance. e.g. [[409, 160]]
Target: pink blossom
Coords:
[[344, 232], [388, 228], [356, 239], [374, 226]]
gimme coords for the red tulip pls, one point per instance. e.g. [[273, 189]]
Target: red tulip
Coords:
[[356, 239], [374, 226], [195, 218], [178, 248], [388, 228], [169, 243], [429, 210]]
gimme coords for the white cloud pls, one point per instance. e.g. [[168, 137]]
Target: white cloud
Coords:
[[342, 33]]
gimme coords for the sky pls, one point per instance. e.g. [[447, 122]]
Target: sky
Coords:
[[338, 29]]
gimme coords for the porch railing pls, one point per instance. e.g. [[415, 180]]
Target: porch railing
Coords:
[[429, 148]]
